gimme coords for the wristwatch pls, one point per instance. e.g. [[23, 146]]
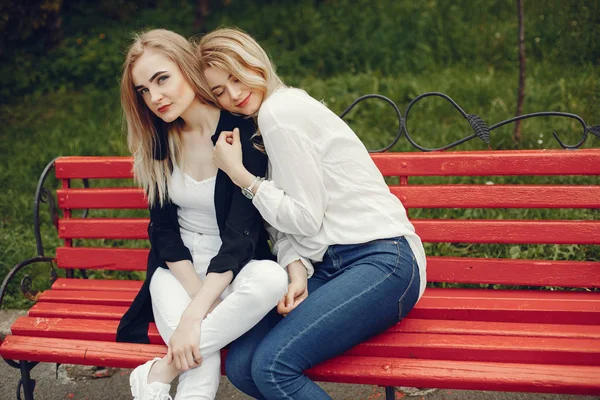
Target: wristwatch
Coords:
[[247, 191]]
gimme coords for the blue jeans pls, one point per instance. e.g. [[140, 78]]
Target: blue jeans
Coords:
[[356, 292]]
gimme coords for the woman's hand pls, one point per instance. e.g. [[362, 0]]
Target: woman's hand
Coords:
[[297, 292], [227, 154], [184, 346], [297, 289]]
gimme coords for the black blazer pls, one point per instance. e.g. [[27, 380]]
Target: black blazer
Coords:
[[241, 229]]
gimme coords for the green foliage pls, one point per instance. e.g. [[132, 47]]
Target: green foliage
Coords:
[[91, 53], [324, 39], [30, 22], [351, 36], [66, 101]]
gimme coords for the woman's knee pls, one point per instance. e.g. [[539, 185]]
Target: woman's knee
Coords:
[[273, 273], [269, 279], [277, 279]]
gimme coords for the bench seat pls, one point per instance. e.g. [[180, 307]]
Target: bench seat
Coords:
[[527, 338], [540, 333]]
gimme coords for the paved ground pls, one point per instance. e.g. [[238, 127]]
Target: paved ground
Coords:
[[116, 387], [74, 384]]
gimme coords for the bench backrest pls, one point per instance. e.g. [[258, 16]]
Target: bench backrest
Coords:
[[430, 203]]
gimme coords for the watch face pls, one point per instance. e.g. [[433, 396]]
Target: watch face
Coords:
[[248, 193]]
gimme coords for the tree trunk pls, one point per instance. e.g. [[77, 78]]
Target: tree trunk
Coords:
[[522, 60], [200, 14]]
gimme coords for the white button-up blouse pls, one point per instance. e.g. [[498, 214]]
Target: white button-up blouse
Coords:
[[323, 188]]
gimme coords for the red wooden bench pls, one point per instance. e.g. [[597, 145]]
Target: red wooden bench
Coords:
[[463, 338]]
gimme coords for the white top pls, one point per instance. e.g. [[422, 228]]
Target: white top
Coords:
[[196, 201], [325, 188]]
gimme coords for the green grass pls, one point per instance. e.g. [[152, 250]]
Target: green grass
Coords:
[[488, 93]]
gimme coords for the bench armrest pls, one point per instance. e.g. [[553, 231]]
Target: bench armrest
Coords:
[[43, 195], [26, 281]]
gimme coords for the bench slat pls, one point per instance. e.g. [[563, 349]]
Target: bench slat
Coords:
[[415, 196], [531, 306], [443, 374], [455, 231], [66, 310], [102, 258], [439, 269], [127, 198], [105, 297], [84, 352], [482, 348], [508, 310], [499, 294], [388, 371], [103, 228], [513, 272], [509, 232], [459, 163], [486, 163], [96, 284], [74, 328], [498, 196], [93, 167], [484, 328]]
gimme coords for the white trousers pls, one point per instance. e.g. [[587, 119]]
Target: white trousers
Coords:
[[250, 296]]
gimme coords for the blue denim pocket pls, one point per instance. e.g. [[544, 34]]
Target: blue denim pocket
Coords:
[[385, 252]]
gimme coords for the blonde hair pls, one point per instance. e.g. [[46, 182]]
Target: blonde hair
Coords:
[[143, 127], [236, 52]]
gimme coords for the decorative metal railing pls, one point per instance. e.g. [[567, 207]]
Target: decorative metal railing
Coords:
[[480, 128]]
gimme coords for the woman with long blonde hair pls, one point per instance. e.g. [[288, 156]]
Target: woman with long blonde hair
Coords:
[[331, 204], [210, 274]]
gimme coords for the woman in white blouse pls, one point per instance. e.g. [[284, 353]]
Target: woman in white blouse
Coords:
[[332, 210]]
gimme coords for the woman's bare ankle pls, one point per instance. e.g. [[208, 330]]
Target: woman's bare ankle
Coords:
[[162, 372]]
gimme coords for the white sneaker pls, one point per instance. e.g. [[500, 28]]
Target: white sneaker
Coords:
[[141, 390]]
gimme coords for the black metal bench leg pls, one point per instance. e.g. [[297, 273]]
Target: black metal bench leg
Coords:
[[26, 382], [390, 393]]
